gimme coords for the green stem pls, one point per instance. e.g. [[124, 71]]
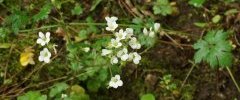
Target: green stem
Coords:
[[188, 74], [76, 24], [231, 75]]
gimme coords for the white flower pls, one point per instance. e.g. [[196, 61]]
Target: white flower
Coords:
[[63, 96], [136, 58], [134, 43], [115, 43], [156, 26], [111, 22], [130, 56], [86, 49], [43, 39], [124, 57], [106, 52], [115, 82], [123, 54], [45, 55], [120, 35], [149, 33], [129, 32], [145, 31], [114, 60]]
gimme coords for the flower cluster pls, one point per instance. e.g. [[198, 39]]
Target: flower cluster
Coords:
[[117, 49], [43, 40]]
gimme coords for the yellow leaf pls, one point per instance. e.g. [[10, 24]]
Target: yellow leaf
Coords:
[[27, 57], [77, 89]]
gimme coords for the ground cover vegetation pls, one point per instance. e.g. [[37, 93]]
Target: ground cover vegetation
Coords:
[[119, 49]]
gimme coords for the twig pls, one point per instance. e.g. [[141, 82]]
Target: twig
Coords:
[[183, 45], [188, 74], [231, 75], [173, 40]]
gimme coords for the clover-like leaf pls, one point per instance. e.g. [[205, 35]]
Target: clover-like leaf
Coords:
[[32, 95], [57, 89], [215, 49], [162, 7], [43, 13], [196, 3]]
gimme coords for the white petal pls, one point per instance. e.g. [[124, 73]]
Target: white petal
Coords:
[[114, 60], [119, 83], [49, 54], [46, 60], [39, 41], [115, 86], [41, 35], [151, 34], [125, 50], [129, 30], [124, 57], [111, 83], [48, 35], [130, 56], [45, 50], [138, 46], [43, 43], [86, 49], [120, 53], [117, 77], [145, 31], [108, 29], [119, 44], [156, 26], [114, 18], [135, 61], [107, 18], [40, 58], [106, 52]]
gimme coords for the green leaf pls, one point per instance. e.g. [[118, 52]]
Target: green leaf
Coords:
[[17, 20], [76, 65], [162, 7], [103, 74], [77, 89], [215, 49], [3, 33], [5, 45], [201, 54], [93, 85], [137, 21], [43, 13], [78, 97], [231, 11], [83, 34], [77, 10], [32, 95], [148, 96], [196, 3], [199, 24], [92, 28], [146, 40], [57, 89], [216, 19]]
